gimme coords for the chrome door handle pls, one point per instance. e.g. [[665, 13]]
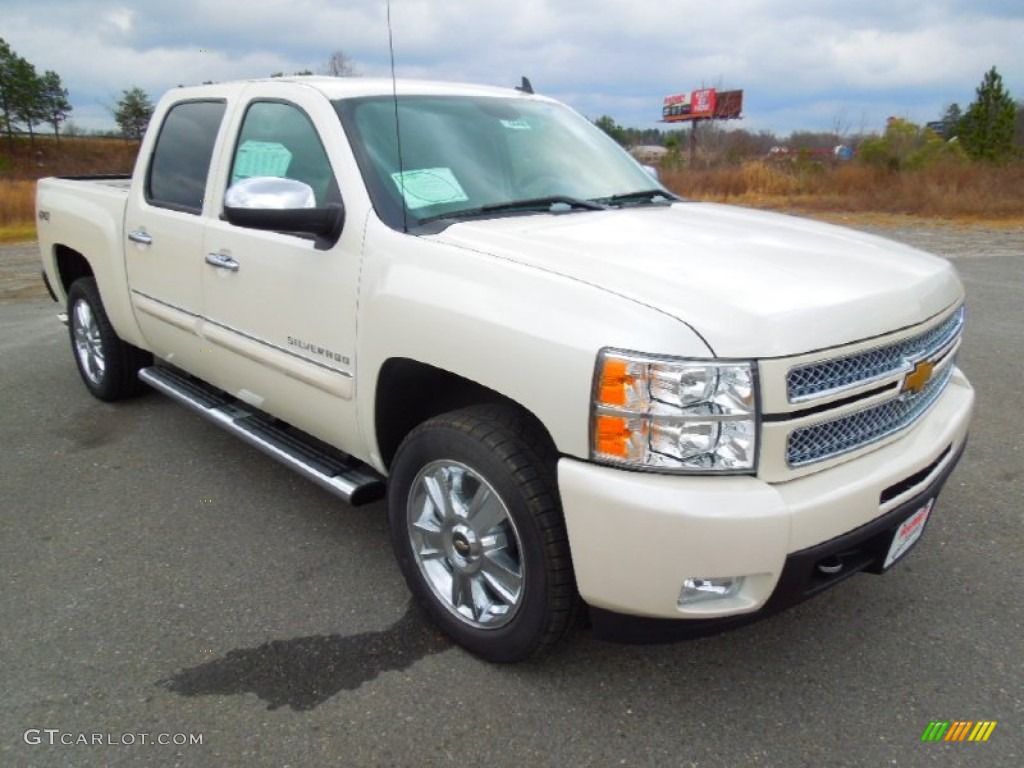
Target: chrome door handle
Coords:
[[222, 261], [137, 236]]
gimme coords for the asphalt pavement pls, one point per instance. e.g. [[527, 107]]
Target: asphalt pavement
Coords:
[[163, 582]]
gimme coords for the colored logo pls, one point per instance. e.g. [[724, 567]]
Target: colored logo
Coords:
[[958, 730], [918, 378]]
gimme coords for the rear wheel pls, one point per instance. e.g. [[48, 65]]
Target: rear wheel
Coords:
[[109, 367], [479, 534]]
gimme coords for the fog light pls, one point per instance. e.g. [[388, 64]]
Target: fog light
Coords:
[[699, 590]]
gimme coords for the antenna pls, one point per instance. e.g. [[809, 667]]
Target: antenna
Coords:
[[526, 87], [398, 131]]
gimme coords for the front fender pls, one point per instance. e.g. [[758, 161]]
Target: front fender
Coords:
[[526, 333]]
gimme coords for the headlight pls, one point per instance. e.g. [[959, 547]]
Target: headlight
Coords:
[[672, 414]]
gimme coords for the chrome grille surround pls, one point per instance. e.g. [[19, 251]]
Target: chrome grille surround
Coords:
[[828, 377], [817, 442]]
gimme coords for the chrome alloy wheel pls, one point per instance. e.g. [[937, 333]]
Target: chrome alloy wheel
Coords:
[[465, 544], [88, 345]]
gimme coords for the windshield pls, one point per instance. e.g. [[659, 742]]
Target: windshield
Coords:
[[466, 156]]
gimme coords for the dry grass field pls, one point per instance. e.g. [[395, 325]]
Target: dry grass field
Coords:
[[17, 198], [72, 155], [955, 192], [21, 165], [970, 192]]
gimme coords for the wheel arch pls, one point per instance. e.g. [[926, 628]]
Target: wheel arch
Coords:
[[409, 392], [71, 266]]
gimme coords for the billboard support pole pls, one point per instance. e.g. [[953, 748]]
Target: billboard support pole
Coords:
[[693, 142]]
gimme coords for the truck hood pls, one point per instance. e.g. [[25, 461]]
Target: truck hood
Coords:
[[751, 283]]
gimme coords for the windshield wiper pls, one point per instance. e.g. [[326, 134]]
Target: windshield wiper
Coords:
[[656, 196], [543, 203], [550, 204]]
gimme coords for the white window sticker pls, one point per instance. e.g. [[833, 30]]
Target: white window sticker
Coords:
[[429, 186], [517, 125], [261, 158]]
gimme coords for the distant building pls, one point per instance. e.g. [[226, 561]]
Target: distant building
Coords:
[[651, 154]]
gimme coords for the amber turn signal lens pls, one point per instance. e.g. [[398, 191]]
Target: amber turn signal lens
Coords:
[[615, 378], [613, 435]]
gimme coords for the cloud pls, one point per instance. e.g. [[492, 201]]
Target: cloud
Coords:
[[796, 61], [122, 19]]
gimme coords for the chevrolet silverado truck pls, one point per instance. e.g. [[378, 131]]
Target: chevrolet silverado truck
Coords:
[[579, 393]]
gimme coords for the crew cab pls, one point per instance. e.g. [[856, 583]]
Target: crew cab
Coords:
[[578, 392]]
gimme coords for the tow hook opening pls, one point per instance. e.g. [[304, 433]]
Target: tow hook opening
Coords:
[[830, 566]]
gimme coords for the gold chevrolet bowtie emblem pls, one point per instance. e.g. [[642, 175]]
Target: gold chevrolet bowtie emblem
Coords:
[[919, 377]]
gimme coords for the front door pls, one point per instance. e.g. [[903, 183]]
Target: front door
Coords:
[[280, 309]]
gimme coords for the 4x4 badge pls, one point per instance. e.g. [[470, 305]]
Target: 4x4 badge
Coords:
[[918, 378]]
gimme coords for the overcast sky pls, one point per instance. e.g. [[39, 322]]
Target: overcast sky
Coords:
[[803, 64]]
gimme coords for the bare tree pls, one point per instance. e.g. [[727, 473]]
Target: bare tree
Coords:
[[841, 124], [340, 64]]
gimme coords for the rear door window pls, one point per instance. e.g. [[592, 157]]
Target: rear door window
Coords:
[[181, 159]]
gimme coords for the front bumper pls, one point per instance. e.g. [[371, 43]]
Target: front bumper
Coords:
[[636, 537]]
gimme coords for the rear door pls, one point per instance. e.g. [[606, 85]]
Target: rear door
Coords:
[[163, 229]]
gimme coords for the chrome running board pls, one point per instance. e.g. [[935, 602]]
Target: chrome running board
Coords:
[[341, 475]]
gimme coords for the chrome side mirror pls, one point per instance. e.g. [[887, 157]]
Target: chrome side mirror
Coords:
[[270, 192], [281, 205]]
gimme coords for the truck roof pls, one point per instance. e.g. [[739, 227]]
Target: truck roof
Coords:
[[351, 87]]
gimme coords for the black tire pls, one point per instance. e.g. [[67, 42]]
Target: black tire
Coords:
[[506, 463], [108, 366]]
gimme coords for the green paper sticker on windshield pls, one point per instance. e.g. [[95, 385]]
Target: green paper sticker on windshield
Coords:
[[261, 158], [429, 186]]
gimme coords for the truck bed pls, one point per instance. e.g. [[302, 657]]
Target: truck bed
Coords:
[[85, 214]]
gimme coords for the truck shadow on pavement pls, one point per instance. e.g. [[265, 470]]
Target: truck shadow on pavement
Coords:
[[307, 671]]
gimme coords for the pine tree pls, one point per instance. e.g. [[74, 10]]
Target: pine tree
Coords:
[[986, 130], [8, 62], [1018, 130], [54, 102], [26, 104], [951, 120], [613, 129], [133, 112]]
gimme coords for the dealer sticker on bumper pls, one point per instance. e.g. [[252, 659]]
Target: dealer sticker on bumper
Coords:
[[908, 533]]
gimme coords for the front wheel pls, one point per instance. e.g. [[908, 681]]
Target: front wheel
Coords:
[[109, 366], [479, 534]]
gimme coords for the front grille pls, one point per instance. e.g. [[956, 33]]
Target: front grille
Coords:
[[855, 430], [830, 376]]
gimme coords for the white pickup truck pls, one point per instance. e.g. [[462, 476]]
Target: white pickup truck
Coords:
[[579, 391]]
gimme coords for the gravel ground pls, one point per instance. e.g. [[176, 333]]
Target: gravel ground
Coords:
[[951, 240], [19, 272], [19, 264]]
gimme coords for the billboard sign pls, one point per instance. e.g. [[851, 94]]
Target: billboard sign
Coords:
[[676, 107], [728, 105], [702, 104]]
